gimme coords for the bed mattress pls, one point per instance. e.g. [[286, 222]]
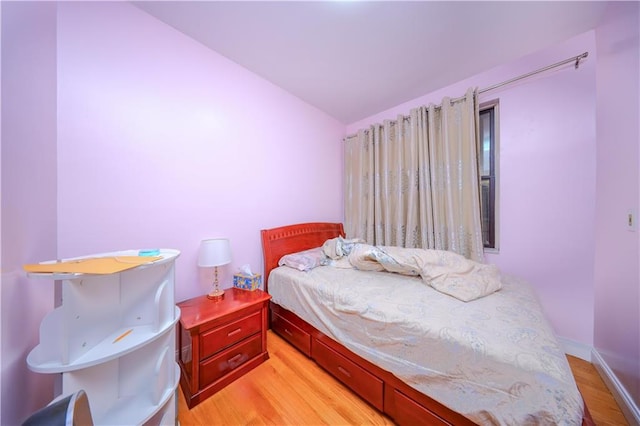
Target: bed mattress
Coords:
[[495, 360]]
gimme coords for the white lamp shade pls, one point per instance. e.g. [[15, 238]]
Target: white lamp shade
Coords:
[[214, 252]]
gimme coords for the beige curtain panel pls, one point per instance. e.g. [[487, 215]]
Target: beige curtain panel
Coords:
[[414, 182]]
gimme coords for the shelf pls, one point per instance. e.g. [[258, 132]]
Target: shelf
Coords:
[[131, 388], [114, 337], [139, 409], [168, 255], [106, 315], [105, 350]]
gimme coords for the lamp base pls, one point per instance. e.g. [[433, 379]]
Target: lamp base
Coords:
[[216, 295]]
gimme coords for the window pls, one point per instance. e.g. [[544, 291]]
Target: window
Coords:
[[488, 165]]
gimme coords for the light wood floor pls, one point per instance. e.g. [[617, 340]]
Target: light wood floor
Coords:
[[603, 408], [289, 389]]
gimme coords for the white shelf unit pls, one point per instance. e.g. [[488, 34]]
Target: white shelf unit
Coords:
[[114, 337]]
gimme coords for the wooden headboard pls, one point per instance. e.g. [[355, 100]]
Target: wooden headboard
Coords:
[[277, 242]]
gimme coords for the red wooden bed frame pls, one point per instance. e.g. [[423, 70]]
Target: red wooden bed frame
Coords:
[[380, 388]]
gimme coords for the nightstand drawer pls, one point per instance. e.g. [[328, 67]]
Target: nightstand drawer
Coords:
[[225, 336], [228, 360], [365, 384]]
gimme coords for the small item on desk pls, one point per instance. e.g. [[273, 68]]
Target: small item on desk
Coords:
[[246, 280], [149, 252], [123, 335]]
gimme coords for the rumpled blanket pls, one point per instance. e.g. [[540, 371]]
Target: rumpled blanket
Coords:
[[445, 271]]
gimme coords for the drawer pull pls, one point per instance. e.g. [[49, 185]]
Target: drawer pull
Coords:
[[288, 332], [235, 361], [343, 371], [236, 331]]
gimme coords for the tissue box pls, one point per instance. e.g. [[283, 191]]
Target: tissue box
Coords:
[[247, 282]]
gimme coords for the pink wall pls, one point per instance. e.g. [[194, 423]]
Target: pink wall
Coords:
[[162, 142], [617, 274], [547, 178], [28, 196]]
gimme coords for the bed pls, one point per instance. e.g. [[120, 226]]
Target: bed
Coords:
[[454, 363]]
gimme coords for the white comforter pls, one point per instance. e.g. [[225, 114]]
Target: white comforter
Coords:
[[447, 272], [495, 359]]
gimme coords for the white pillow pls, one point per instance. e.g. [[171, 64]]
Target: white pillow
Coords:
[[304, 260]]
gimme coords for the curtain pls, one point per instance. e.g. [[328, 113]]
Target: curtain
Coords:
[[414, 182]]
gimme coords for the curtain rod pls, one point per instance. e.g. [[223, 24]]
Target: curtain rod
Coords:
[[575, 59]]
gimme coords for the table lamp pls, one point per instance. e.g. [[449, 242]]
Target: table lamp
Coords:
[[214, 252]]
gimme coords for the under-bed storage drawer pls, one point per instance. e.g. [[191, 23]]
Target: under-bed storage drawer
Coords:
[[292, 333], [365, 384], [409, 412]]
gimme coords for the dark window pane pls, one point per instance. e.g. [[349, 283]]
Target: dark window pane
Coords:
[[486, 161]]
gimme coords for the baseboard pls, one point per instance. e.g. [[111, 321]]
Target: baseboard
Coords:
[[579, 350], [620, 394]]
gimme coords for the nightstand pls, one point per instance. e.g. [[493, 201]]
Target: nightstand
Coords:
[[219, 341]]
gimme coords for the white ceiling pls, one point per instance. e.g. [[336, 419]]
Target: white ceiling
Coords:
[[352, 59]]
